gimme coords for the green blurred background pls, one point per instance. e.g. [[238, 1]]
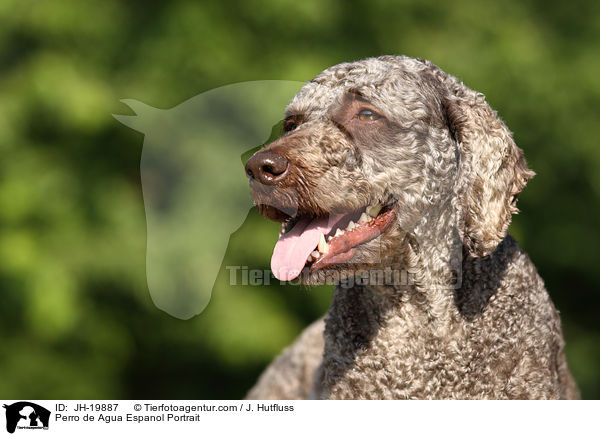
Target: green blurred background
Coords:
[[76, 319]]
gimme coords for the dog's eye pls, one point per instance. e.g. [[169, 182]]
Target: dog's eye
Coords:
[[368, 115], [289, 125], [292, 122]]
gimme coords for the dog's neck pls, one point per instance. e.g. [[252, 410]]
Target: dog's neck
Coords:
[[429, 265], [424, 306], [437, 262], [367, 327]]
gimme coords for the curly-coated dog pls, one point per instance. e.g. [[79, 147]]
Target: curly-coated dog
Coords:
[[397, 182]]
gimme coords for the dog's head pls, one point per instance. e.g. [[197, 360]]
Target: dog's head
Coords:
[[372, 155]]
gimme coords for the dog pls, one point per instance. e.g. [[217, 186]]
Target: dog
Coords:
[[397, 182]]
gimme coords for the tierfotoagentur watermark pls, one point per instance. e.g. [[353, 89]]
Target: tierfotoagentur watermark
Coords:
[[242, 275]]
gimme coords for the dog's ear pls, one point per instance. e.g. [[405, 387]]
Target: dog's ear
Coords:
[[493, 168]]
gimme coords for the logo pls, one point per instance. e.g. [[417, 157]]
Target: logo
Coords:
[[194, 184], [26, 415]]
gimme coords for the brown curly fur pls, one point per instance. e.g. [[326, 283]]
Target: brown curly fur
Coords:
[[474, 320]]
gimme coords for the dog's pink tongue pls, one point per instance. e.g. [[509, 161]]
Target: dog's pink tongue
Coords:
[[293, 248]]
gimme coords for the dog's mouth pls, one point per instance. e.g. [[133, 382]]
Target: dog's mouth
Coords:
[[321, 242]]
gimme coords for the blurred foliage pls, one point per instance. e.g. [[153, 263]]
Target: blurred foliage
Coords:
[[76, 318]]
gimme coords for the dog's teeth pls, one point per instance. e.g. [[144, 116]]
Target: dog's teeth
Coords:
[[322, 246], [350, 225], [329, 238], [364, 218], [315, 254], [338, 232], [373, 210]]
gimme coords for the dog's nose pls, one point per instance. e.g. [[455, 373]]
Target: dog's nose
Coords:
[[267, 167]]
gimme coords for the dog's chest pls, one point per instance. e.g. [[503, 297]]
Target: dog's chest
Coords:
[[398, 360], [401, 354]]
